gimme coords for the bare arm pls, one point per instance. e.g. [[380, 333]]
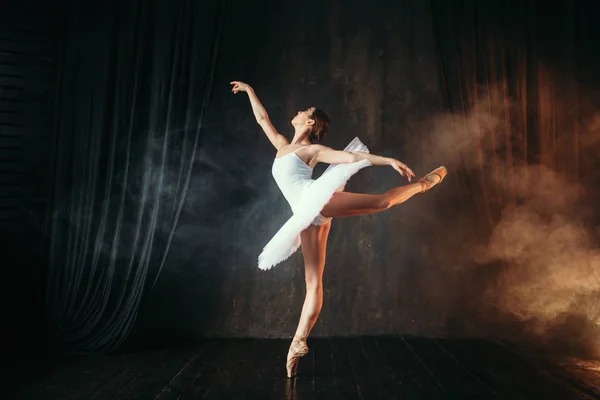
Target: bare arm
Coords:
[[330, 156], [260, 113]]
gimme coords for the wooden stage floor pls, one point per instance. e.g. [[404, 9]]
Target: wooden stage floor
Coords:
[[336, 368]]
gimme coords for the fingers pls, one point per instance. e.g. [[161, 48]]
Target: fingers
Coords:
[[405, 171], [409, 172], [407, 175], [399, 169], [238, 83]]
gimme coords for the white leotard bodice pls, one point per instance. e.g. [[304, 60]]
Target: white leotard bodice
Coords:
[[292, 175], [307, 197]]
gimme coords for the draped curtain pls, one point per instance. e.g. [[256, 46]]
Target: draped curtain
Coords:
[[525, 77], [523, 135], [135, 81]]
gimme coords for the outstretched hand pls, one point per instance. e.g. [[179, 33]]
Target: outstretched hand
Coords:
[[239, 87], [403, 169]]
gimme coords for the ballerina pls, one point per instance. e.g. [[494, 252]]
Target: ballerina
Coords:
[[316, 202]]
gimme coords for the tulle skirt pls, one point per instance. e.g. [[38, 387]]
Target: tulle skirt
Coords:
[[308, 207]]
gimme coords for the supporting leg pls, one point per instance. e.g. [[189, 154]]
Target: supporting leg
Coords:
[[314, 244]]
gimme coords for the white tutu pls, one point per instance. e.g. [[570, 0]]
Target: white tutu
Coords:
[[313, 199]]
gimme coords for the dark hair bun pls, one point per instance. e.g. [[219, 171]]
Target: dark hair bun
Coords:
[[321, 126]]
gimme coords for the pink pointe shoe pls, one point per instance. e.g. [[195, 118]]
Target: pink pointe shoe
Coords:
[[298, 349], [433, 178]]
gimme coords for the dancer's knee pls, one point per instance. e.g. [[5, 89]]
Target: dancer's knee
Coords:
[[313, 283], [384, 202]]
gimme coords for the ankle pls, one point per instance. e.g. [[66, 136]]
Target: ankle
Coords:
[[299, 339]]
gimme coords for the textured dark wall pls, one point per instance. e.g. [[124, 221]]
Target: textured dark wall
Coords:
[[374, 70]]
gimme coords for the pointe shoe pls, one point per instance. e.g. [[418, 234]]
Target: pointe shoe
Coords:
[[298, 349], [433, 178]]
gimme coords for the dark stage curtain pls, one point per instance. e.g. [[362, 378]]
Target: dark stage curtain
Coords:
[[520, 82], [135, 79]]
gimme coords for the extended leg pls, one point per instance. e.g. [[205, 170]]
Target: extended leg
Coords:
[[345, 204]]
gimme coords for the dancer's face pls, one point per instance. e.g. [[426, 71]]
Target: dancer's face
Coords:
[[304, 118]]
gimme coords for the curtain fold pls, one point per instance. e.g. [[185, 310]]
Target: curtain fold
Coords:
[[522, 129], [135, 83]]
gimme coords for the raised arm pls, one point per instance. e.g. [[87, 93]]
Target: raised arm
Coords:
[[277, 139], [328, 155]]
